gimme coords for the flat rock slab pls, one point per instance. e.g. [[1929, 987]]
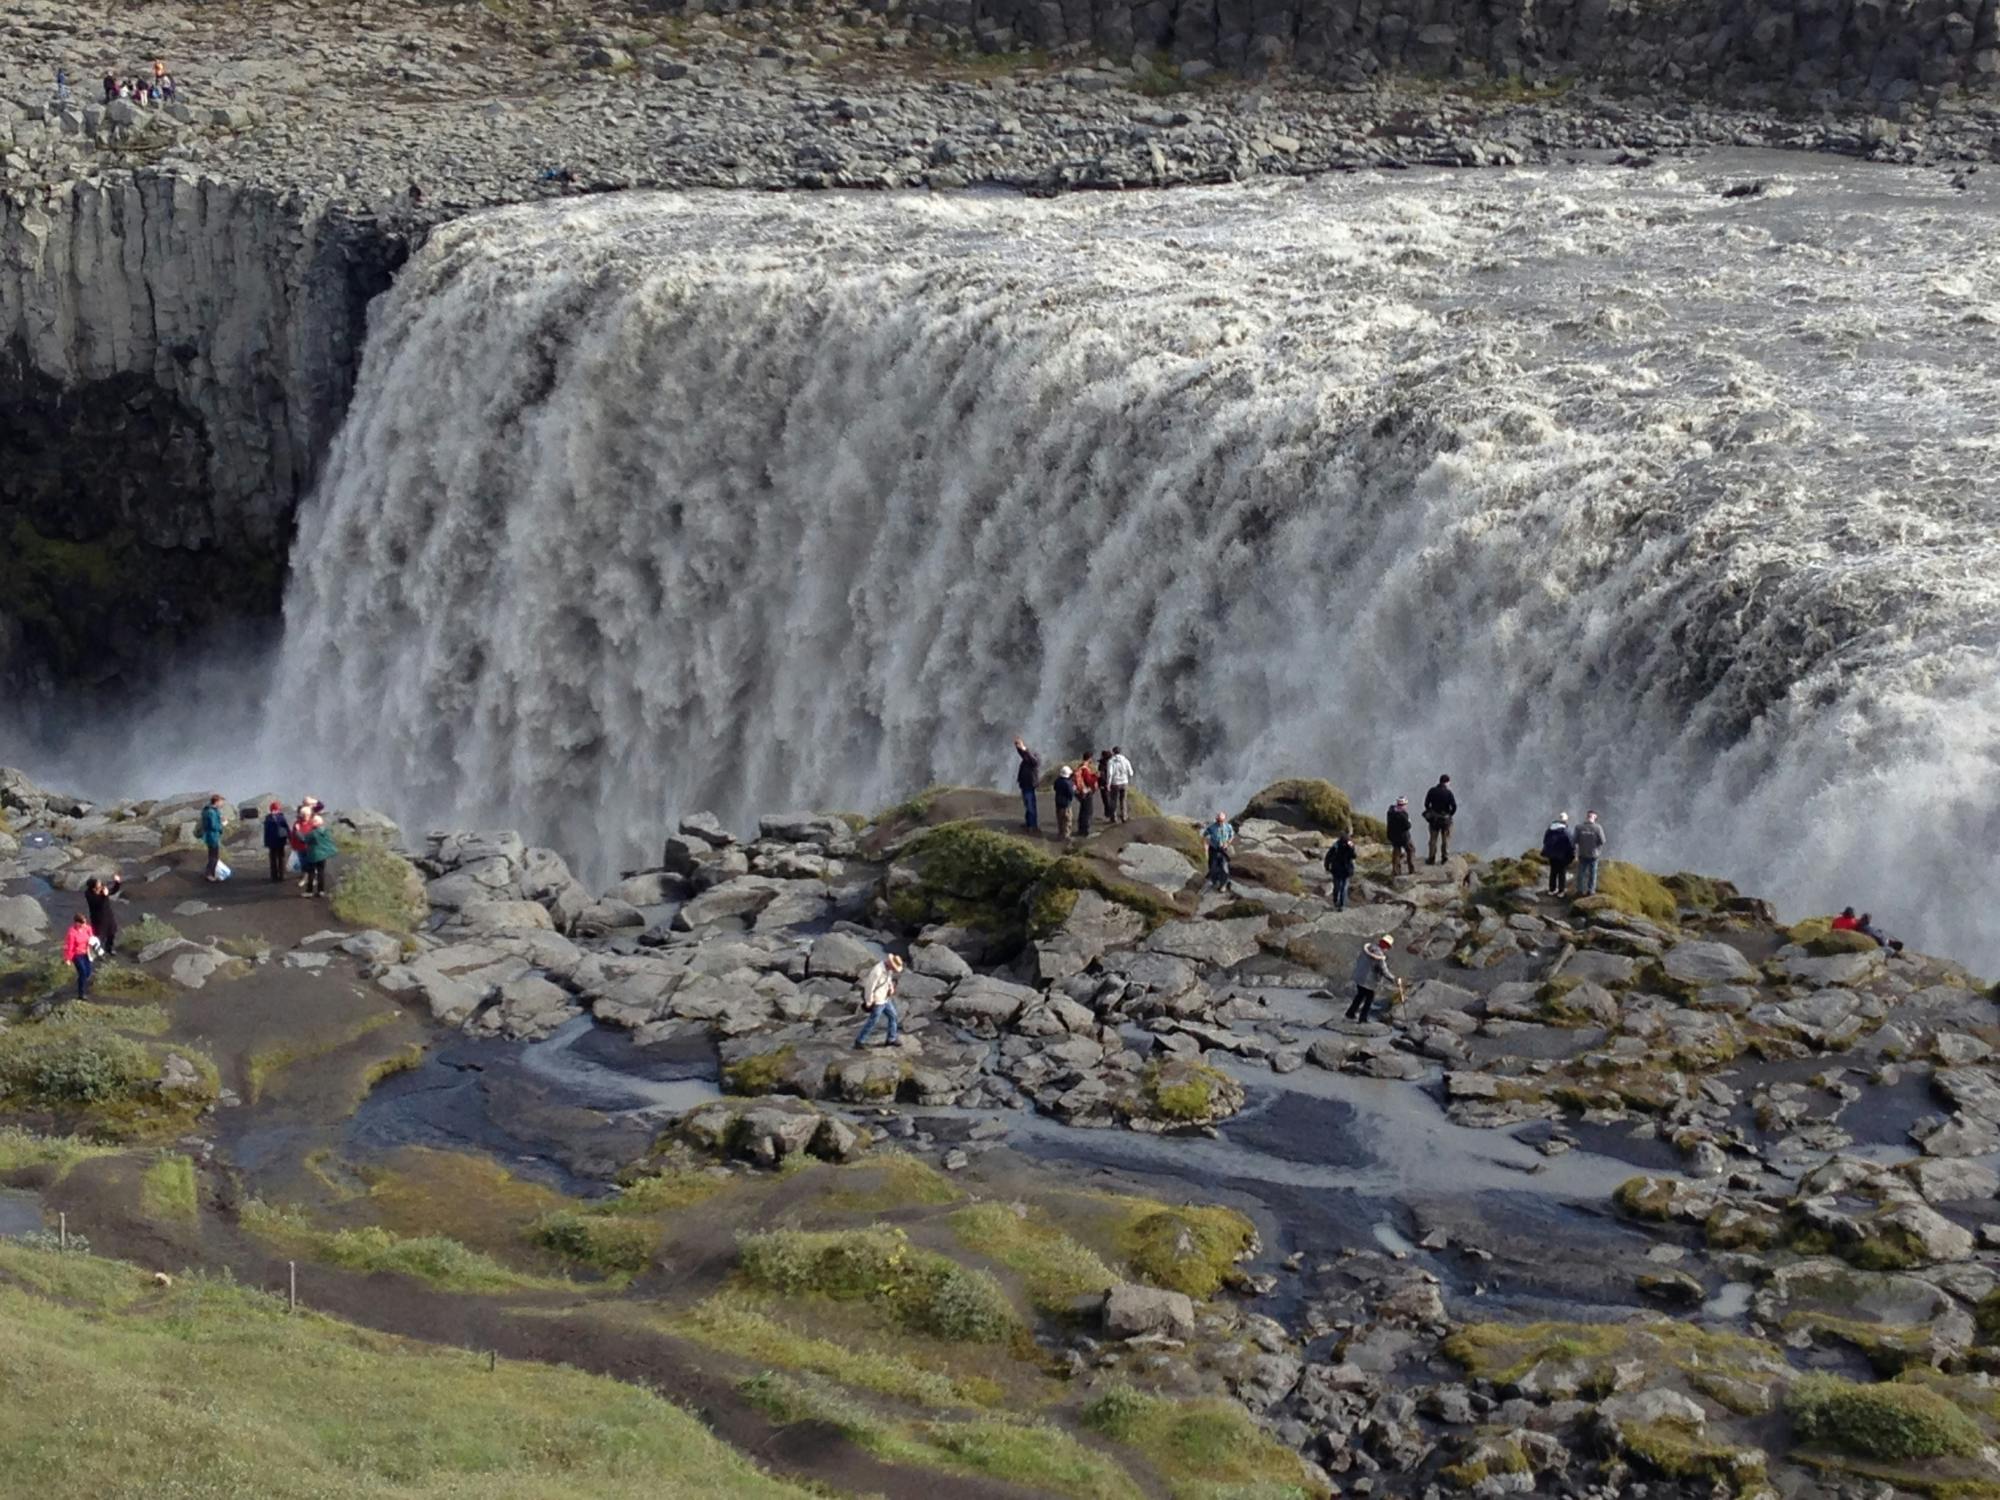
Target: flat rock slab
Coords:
[[22, 920], [1222, 944], [1093, 926], [1707, 963], [1155, 865]]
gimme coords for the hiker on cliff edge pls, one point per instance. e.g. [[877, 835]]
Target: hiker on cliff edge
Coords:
[[1085, 780], [1219, 835], [1558, 848], [211, 835], [103, 915], [1589, 841], [1371, 971], [1340, 865], [1440, 807], [878, 994], [1029, 773], [1065, 787], [1118, 777], [1402, 847]]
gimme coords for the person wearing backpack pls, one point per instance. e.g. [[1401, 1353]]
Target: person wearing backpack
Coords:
[[1065, 789], [1558, 848], [1084, 777], [320, 848], [277, 839], [211, 835], [1440, 807], [1340, 865]]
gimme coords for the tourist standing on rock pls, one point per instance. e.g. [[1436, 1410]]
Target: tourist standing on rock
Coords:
[[1118, 777], [110, 87], [277, 839], [878, 993], [1558, 848], [103, 915], [320, 849], [1104, 782], [76, 951], [1065, 802], [1440, 807], [211, 835], [1085, 780], [1219, 835], [1402, 847], [1371, 972], [1340, 865], [1026, 777], [1589, 841]]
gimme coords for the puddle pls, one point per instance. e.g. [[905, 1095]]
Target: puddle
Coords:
[[1730, 1303], [20, 1212]]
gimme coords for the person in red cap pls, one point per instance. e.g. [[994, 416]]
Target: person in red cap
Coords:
[[277, 839], [1371, 970]]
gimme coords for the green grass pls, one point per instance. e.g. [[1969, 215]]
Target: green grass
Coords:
[[890, 1180], [118, 981], [82, 1063], [262, 1065], [1192, 1249], [1886, 1421], [929, 1293], [375, 887], [444, 1263], [1307, 802], [1055, 1268], [662, 1190], [209, 1389], [609, 1242], [21, 1150], [167, 1191], [1032, 1454], [147, 931], [1198, 1447], [763, 1332]]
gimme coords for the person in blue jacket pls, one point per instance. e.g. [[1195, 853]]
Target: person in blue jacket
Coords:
[[277, 839], [211, 835], [1559, 848]]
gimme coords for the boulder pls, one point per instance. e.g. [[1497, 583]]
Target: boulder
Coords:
[[1155, 865], [987, 1004], [483, 918], [806, 828], [707, 827], [1707, 963], [1131, 1310], [22, 921], [1220, 944], [738, 900], [373, 947], [1093, 926], [1835, 969], [841, 955]]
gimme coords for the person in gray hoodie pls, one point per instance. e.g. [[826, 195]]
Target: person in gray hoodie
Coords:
[[1589, 841], [1371, 971]]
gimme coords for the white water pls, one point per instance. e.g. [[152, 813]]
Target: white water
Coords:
[[1588, 486]]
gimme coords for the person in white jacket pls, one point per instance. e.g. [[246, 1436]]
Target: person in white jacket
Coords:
[[878, 994], [1117, 778]]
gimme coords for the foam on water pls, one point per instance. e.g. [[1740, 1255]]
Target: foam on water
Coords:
[[1589, 486]]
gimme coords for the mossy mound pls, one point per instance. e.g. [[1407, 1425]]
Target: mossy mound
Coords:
[[1586, 1358], [1892, 1420], [1817, 937], [1680, 1450], [1178, 1091], [928, 1292], [1636, 892], [609, 1242], [1307, 802], [85, 1068], [1700, 892], [1192, 1249], [1055, 1268], [1199, 1447], [375, 887], [970, 874]]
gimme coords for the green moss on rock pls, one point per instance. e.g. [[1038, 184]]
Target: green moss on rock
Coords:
[[1892, 1420], [928, 1293], [1636, 892], [1307, 802]]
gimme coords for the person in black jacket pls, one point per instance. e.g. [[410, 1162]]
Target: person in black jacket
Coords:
[[1340, 865], [1402, 848], [1026, 778], [277, 839], [1558, 848], [103, 915], [1440, 807]]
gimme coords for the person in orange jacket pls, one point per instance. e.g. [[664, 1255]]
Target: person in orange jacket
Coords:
[[1085, 777]]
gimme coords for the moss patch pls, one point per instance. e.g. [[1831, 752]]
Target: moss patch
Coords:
[[23, 1150], [927, 1291], [1887, 1421], [375, 887], [80, 1065], [1505, 1352], [612, 1243], [444, 1263], [1678, 1450], [1198, 1447], [1056, 1269], [1307, 802], [759, 1073], [890, 1181], [167, 1191], [1636, 892], [1192, 1249]]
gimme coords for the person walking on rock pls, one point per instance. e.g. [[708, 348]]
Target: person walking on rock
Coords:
[[1219, 835], [878, 994], [1558, 848], [1085, 779], [103, 915], [320, 849], [277, 839], [1440, 807], [1340, 865], [1402, 847], [211, 835], [1104, 783], [76, 951], [1118, 777], [1371, 972], [1026, 776], [1065, 802], [1589, 841]]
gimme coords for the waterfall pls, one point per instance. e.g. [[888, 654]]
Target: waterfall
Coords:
[[1589, 488]]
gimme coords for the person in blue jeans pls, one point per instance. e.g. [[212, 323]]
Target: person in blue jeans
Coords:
[[878, 993], [76, 951], [1219, 835], [1340, 865], [1029, 774], [1589, 843]]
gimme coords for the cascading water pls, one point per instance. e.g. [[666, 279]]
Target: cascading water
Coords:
[[1587, 486]]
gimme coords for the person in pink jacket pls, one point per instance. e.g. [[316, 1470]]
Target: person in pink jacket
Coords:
[[76, 950]]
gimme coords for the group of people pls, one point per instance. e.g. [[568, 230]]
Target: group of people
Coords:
[[1109, 780], [1865, 925], [158, 89], [304, 837]]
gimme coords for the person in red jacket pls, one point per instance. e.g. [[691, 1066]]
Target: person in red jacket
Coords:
[[1846, 921], [1086, 789], [76, 951]]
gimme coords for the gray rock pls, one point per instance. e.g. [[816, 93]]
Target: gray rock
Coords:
[[1155, 865], [22, 921], [841, 955], [1707, 963], [1131, 1310], [1220, 944], [1093, 926]]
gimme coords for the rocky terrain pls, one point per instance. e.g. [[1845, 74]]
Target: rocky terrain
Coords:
[[1641, 1193]]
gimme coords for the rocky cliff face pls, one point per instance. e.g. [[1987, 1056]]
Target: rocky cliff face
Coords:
[[175, 353]]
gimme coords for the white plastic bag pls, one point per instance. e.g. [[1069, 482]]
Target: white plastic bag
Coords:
[[293, 864], [222, 870]]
